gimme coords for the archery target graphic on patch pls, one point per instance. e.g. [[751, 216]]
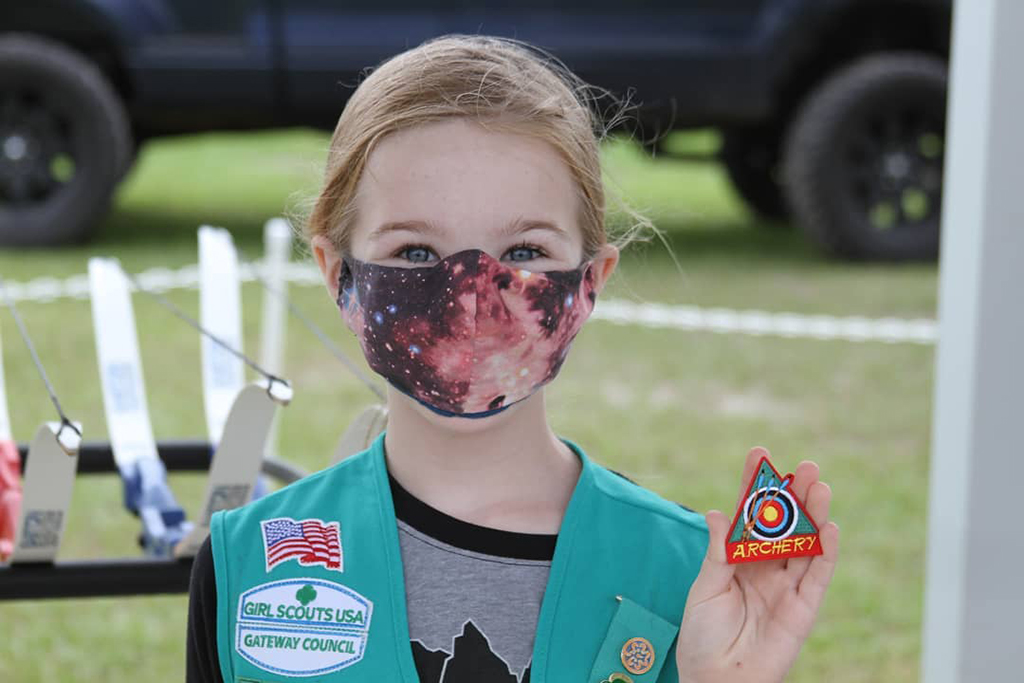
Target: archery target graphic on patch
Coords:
[[771, 522], [777, 513]]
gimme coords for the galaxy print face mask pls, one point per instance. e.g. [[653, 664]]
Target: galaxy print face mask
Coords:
[[469, 335]]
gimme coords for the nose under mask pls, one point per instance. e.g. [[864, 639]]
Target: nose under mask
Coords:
[[469, 335]]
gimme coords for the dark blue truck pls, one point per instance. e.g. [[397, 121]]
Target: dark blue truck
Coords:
[[832, 112]]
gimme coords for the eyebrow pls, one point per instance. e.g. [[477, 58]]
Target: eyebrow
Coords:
[[516, 227], [521, 225], [422, 227]]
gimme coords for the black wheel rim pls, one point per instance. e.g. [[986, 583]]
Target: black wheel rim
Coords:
[[891, 161], [37, 151]]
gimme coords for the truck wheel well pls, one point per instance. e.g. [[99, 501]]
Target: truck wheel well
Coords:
[[865, 28], [97, 50]]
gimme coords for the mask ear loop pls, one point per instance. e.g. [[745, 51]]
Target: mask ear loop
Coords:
[[587, 284], [344, 274]]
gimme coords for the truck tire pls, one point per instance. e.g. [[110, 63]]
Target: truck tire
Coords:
[[862, 161], [65, 142], [751, 158]]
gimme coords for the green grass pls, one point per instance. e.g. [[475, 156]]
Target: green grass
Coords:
[[675, 410]]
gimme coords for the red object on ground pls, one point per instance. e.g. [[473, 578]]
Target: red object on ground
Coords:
[[10, 496]]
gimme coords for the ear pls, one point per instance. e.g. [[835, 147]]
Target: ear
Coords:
[[604, 265], [329, 261]]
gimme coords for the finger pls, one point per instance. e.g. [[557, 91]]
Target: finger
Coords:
[[749, 467], [715, 573], [818, 499], [821, 569], [804, 476]]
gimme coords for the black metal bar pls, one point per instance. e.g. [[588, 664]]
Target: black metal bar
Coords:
[[96, 457], [94, 579], [127, 576]]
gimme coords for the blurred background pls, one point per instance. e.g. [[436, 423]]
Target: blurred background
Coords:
[[790, 151]]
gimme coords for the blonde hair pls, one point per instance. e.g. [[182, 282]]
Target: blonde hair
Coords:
[[500, 83]]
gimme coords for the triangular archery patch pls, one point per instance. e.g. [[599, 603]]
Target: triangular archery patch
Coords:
[[771, 522]]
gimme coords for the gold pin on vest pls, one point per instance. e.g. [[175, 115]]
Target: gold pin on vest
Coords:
[[622, 678], [637, 655]]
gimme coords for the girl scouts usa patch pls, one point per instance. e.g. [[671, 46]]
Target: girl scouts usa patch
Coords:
[[302, 627]]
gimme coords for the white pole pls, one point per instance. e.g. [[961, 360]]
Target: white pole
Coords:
[[974, 594], [277, 250]]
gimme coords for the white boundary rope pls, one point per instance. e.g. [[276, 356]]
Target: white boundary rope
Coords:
[[762, 323], [619, 311]]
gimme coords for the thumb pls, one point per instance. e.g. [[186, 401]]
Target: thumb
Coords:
[[715, 573]]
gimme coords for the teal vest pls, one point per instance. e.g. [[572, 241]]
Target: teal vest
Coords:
[[623, 565]]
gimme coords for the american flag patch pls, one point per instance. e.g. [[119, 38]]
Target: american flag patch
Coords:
[[310, 541]]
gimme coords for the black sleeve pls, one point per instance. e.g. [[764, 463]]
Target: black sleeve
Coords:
[[201, 662]]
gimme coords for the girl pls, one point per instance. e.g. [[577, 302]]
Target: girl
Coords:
[[460, 229]]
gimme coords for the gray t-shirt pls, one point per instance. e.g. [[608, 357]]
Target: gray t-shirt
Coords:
[[473, 594]]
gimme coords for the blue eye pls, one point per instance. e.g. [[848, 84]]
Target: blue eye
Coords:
[[523, 252], [416, 254]]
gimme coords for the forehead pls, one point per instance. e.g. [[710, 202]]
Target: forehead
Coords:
[[467, 179]]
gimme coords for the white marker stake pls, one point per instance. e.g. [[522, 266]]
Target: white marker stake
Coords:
[[236, 464], [219, 312], [46, 493], [361, 433]]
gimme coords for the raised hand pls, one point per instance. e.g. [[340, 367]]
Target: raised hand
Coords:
[[746, 622]]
